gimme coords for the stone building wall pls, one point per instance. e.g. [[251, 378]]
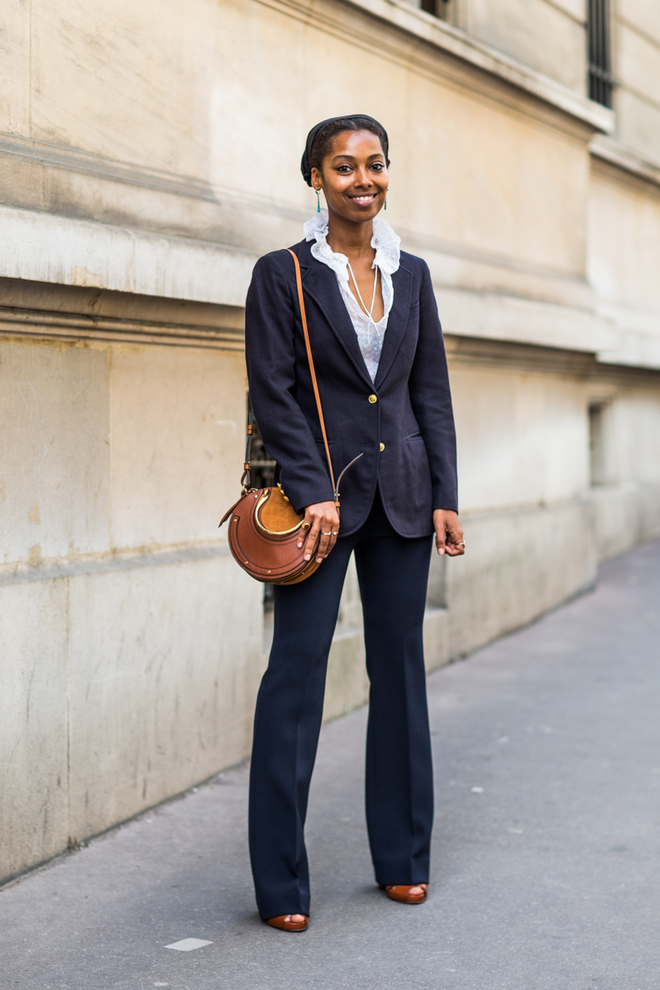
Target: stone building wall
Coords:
[[148, 155]]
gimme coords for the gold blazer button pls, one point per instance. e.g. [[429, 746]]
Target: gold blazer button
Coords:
[[373, 398], [382, 447]]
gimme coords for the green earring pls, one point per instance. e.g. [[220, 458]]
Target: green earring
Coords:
[[318, 201], [386, 192]]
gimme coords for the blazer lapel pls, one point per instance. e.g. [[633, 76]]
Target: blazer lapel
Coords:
[[397, 322], [321, 284]]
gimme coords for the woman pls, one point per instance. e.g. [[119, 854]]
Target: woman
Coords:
[[382, 371]]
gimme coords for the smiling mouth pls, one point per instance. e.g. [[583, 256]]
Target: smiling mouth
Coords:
[[364, 199]]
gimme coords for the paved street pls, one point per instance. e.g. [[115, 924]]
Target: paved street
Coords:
[[546, 856]]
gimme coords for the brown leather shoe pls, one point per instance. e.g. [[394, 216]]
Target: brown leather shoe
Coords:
[[411, 893], [286, 923]]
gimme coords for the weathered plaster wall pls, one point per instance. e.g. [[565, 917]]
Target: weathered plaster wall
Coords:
[[637, 71], [130, 643], [549, 36]]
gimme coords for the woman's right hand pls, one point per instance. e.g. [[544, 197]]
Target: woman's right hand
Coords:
[[321, 526]]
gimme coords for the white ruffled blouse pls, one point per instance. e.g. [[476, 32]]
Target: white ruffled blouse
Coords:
[[370, 335]]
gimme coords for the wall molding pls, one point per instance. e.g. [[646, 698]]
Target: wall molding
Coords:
[[76, 327], [77, 314], [609, 150], [73, 159], [510, 356], [69, 158], [50, 570], [45, 247], [448, 40]]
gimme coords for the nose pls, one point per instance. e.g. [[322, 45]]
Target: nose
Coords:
[[362, 177]]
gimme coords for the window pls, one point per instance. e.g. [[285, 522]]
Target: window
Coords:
[[601, 80], [262, 469], [597, 461], [441, 8], [261, 464]]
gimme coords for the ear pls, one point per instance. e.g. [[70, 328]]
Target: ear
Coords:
[[317, 181]]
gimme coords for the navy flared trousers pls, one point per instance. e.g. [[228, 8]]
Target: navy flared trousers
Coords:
[[393, 576]]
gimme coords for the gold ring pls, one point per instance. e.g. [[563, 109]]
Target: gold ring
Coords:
[[305, 525]]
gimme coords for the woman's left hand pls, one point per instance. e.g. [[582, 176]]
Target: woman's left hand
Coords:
[[448, 533]]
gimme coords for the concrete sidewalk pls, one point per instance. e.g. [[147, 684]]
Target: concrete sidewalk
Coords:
[[546, 856]]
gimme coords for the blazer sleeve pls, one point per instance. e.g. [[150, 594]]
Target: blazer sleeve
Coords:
[[430, 396], [270, 322]]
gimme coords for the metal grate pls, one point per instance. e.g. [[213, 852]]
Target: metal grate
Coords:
[[601, 80]]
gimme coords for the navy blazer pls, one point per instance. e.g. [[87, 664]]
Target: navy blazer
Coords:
[[403, 422]]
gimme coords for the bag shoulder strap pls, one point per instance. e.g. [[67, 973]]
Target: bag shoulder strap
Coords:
[[312, 371]]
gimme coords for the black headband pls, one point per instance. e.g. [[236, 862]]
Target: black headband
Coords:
[[305, 166]]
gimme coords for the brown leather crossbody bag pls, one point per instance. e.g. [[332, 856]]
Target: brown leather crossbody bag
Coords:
[[263, 525]]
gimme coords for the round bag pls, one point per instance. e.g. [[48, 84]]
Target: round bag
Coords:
[[264, 532]]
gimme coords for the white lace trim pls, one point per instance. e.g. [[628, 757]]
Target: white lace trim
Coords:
[[370, 335]]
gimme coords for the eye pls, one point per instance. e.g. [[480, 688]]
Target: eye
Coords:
[[344, 169], [378, 166]]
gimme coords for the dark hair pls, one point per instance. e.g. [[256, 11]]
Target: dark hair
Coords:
[[323, 141]]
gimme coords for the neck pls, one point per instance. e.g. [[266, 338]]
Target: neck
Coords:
[[351, 239]]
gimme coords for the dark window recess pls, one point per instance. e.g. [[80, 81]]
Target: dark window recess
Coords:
[[601, 80], [262, 466], [262, 469], [437, 7], [597, 459]]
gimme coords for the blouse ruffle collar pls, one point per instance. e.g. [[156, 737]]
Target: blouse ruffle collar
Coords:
[[384, 240]]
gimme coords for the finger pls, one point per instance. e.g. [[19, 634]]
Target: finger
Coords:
[[303, 533], [440, 540], [323, 550], [332, 540], [325, 539], [312, 539], [333, 529], [455, 541]]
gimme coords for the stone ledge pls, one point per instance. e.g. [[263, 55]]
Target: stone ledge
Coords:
[[609, 150], [43, 247], [451, 41]]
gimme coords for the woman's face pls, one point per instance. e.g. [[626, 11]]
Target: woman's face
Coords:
[[353, 176]]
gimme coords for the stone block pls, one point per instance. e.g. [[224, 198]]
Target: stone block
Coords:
[[642, 14], [624, 243], [536, 33], [519, 564], [522, 438], [437, 649], [54, 456], [638, 125], [164, 665], [505, 177], [178, 434], [625, 514], [347, 684], [638, 63], [15, 67], [633, 413], [33, 724], [94, 87]]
